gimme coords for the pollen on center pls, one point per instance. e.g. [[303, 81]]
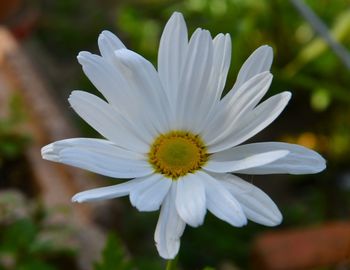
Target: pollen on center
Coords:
[[177, 153]]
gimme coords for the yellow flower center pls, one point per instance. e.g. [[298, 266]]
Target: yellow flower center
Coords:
[[177, 153]]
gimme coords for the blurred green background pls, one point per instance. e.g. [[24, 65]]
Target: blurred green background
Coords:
[[318, 115]]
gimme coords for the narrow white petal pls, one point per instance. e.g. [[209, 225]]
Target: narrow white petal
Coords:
[[170, 227], [235, 107], [255, 121], [222, 162], [52, 150], [109, 122], [194, 81], [259, 61], [108, 43], [221, 202], [256, 204], [98, 156], [105, 193], [149, 194], [171, 55], [119, 90], [249, 94], [143, 79], [221, 63], [105, 78], [300, 160], [190, 200]]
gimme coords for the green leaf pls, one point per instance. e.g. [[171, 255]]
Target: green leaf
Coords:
[[35, 265], [19, 235], [113, 256]]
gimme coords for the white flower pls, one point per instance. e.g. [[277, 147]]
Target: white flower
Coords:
[[172, 133]]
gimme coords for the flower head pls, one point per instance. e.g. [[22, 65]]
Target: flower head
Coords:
[[172, 133]]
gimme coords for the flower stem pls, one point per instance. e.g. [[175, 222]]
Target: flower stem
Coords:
[[171, 264]]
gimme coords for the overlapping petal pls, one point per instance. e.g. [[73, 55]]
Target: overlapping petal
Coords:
[[235, 108], [105, 78], [213, 91], [223, 162], [194, 81], [258, 62], [170, 227], [133, 100], [221, 202], [191, 199], [256, 205], [299, 160], [252, 123], [108, 43], [143, 79], [150, 192], [109, 122]]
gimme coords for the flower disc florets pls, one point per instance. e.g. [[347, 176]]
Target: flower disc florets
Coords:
[[177, 153]]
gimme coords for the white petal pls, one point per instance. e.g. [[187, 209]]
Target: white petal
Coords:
[[105, 193], [143, 79], [149, 194], [118, 90], [170, 227], [98, 156], [255, 121], [223, 162], [105, 78], [109, 122], [194, 81], [249, 94], [259, 61], [108, 43], [221, 202], [235, 107], [171, 55], [51, 151], [257, 206], [190, 200], [221, 63], [300, 160]]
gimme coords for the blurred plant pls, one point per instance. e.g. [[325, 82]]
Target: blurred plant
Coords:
[[113, 256], [68, 24], [27, 240], [12, 141]]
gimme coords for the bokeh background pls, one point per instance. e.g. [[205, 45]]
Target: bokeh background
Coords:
[[51, 33]]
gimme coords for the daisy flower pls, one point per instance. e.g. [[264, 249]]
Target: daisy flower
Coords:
[[171, 133]]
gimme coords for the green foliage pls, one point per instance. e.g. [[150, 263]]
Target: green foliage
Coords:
[[113, 256], [69, 25], [12, 141], [27, 242]]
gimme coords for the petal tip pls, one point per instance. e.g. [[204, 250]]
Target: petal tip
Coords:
[[275, 221], [82, 56], [76, 199], [177, 14]]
